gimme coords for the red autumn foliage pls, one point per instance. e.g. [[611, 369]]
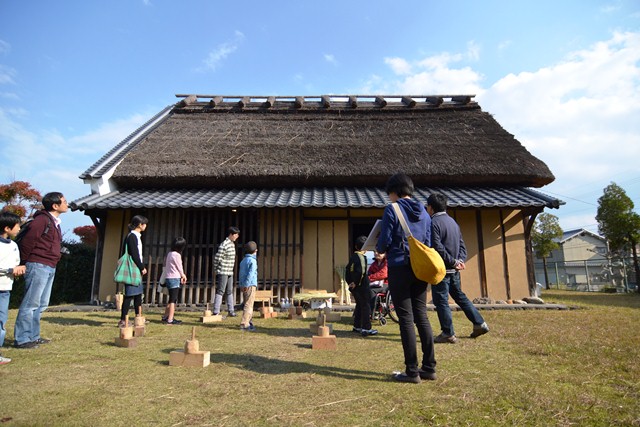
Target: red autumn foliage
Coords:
[[87, 235], [20, 198]]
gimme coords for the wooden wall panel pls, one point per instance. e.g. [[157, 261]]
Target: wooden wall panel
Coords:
[[470, 277], [310, 259], [493, 254], [514, 236], [341, 252], [325, 254], [113, 232], [302, 247], [326, 246]]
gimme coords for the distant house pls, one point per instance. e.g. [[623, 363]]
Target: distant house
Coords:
[[580, 260], [304, 176]]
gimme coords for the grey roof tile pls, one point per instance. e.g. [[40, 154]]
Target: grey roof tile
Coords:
[[494, 197]]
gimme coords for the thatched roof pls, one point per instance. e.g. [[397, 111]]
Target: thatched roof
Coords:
[[220, 142]]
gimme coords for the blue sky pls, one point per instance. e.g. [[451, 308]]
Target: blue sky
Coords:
[[76, 77]]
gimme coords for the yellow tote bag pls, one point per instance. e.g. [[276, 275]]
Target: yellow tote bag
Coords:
[[426, 262]]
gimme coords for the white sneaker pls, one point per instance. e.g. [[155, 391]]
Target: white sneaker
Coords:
[[4, 360]]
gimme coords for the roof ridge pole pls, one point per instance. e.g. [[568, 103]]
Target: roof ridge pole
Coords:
[[408, 101], [381, 101], [325, 101]]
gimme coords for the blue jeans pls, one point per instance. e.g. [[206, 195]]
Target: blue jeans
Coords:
[[38, 281], [410, 300], [450, 285], [4, 314], [224, 287]]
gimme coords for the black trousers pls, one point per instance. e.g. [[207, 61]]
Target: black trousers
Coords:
[[410, 300], [362, 312], [126, 302]]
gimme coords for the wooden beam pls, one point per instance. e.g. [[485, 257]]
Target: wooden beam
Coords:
[[191, 99], [437, 100], [299, 102], [325, 101], [381, 101], [270, 101], [461, 99], [353, 101], [244, 101], [215, 101], [409, 102]]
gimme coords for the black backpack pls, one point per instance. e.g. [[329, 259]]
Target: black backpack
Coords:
[[24, 229]]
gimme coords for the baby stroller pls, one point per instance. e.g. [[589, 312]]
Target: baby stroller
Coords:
[[383, 307]]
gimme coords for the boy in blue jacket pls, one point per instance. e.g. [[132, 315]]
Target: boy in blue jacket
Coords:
[[248, 280]]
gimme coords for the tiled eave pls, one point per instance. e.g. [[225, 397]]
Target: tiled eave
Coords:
[[316, 197]]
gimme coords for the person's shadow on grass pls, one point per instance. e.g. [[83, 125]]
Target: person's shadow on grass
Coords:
[[71, 321], [265, 365]]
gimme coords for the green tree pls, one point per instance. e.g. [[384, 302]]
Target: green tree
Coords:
[[546, 231], [619, 224]]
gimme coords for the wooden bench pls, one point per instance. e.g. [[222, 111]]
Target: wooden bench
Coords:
[[264, 296]]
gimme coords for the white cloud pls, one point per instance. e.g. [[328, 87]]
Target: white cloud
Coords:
[[504, 45], [7, 74], [578, 115], [9, 95], [221, 52], [580, 118], [4, 47], [146, 2], [434, 74], [330, 58], [473, 51], [430, 75], [398, 65], [44, 159]]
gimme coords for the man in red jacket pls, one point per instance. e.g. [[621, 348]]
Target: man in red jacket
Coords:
[[40, 252]]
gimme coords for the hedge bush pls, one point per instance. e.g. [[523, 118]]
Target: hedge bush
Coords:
[[72, 283]]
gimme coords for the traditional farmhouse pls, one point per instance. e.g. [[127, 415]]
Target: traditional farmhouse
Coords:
[[304, 176]]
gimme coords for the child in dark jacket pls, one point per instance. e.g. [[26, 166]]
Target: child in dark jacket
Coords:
[[356, 277]]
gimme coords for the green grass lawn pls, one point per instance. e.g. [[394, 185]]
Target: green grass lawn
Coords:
[[535, 367]]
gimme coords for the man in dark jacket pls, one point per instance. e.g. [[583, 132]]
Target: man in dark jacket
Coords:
[[40, 253], [446, 238]]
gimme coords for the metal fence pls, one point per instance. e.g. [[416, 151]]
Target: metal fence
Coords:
[[589, 275]]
